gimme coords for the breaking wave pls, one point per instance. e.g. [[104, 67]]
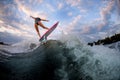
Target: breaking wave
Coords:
[[64, 59]]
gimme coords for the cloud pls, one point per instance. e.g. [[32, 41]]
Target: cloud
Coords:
[[79, 4], [73, 23], [35, 1], [73, 2], [23, 27], [9, 38], [50, 7], [85, 29], [39, 1], [118, 5], [17, 32], [22, 7], [105, 15], [60, 5], [70, 13], [9, 12], [83, 10], [101, 23], [28, 10], [106, 10], [1, 22], [6, 10]]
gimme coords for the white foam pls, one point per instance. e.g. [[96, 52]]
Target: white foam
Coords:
[[20, 47], [103, 62]]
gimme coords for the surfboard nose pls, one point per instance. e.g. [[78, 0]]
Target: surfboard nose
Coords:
[[56, 23]]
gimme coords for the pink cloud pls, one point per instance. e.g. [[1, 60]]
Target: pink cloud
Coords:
[[73, 24], [60, 5], [27, 10], [73, 2], [118, 5], [24, 30], [1, 22], [50, 7], [106, 10], [85, 29], [70, 13], [105, 14], [101, 25]]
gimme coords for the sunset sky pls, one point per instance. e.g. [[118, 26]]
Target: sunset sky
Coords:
[[91, 19]]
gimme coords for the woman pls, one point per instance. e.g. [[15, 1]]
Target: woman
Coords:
[[38, 22]]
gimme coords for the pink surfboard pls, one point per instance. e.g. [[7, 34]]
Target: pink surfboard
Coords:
[[47, 33]]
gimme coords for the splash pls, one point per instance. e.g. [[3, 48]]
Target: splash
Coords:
[[82, 62], [20, 47], [65, 59]]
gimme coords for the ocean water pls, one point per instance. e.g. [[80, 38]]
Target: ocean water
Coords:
[[67, 58]]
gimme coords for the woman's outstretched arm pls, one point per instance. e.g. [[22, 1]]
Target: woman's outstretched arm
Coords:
[[44, 20], [32, 17]]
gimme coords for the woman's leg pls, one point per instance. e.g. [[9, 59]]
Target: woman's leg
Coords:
[[36, 27], [42, 25]]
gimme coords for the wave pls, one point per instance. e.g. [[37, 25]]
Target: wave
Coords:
[[64, 59]]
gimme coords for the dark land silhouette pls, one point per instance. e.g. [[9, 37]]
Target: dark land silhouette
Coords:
[[3, 43], [107, 40]]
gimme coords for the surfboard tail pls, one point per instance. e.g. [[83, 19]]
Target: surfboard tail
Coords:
[[43, 39]]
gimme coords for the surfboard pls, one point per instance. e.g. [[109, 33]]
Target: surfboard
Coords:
[[47, 33]]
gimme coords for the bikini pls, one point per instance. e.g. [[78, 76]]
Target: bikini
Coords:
[[37, 20]]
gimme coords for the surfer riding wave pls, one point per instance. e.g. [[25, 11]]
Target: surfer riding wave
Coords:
[[38, 22]]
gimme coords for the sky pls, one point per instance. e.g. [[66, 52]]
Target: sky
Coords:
[[90, 19]]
